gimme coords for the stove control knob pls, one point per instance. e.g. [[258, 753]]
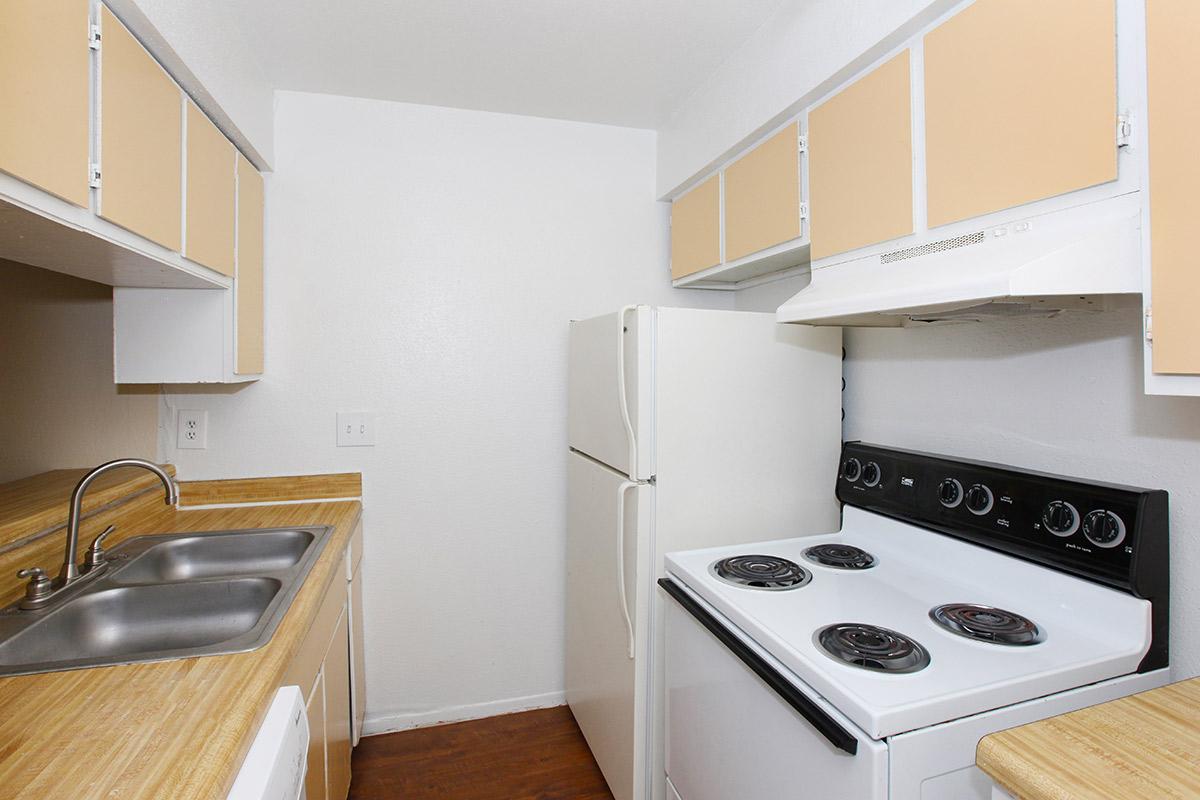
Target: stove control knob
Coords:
[[979, 499], [872, 474], [1103, 528], [852, 469], [950, 493], [1060, 518]]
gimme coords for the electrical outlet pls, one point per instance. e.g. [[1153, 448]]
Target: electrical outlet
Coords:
[[193, 430], [355, 429]]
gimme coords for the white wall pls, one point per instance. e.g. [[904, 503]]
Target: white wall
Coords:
[[423, 264], [61, 408], [767, 78]]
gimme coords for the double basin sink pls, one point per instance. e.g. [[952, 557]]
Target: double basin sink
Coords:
[[165, 597]]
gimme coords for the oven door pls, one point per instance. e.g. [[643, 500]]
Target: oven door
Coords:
[[740, 725]]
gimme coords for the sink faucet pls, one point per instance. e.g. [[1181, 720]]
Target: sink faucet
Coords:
[[70, 571]]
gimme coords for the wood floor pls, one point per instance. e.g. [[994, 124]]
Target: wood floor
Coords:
[[534, 755]]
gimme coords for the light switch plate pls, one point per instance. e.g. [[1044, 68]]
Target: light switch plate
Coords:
[[355, 429], [193, 429]]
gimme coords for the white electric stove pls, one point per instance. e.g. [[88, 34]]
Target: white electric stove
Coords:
[[958, 599]]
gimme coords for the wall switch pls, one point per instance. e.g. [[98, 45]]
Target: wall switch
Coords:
[[193, 430], [355, 429]]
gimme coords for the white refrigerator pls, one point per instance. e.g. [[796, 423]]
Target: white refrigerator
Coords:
[[687, 428]]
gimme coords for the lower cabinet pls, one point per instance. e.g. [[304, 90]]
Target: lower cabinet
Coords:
[[322, 671]]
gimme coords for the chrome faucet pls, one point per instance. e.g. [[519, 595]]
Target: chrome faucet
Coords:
[[70, 571], [41, 588]]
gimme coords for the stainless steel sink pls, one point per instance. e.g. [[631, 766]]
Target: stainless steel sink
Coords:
[[164, 597]]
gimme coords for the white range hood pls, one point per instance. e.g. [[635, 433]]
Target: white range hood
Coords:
[[1080, 257]]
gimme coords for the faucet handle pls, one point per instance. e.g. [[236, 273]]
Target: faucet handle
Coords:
[[95, 553], [39, 584]]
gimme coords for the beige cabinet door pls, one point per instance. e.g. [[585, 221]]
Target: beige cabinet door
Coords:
[[358, 677], [1020, 104], [860, 174], [314, 780], [211, 193], [45, 75], [696, 229], [337, 713], [762, 195], [1172, 31], [141, 139], [248, 285]]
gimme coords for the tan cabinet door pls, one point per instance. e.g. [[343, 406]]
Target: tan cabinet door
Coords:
[[337, 713], [358, 678], [1020, 104], [45, 74], [249, 282], [314, 779], [696, 229], [762, 195], [1172, 31], [141, 139], [860, 174], [211, 190]]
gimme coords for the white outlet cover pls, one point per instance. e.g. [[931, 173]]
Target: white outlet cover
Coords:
[[355, 429], [192, 433]]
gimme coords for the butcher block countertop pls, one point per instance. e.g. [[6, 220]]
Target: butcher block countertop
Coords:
[[173, 729], [1142, 747]]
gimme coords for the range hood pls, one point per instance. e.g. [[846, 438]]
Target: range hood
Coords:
[[1084, 257]]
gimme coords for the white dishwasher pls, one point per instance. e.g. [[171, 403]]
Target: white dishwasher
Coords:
[[277, 761]]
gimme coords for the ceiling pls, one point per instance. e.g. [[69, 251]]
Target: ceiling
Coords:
[[619, 62]]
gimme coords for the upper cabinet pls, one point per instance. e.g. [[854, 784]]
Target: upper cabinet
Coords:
[[762, 196], [861, 161], [141, 139], [248, 288], [1173, 326], [696, 229], [46, 77], [1020, 104], [211, 193]]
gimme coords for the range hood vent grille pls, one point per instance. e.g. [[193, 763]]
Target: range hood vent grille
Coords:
[[932, 247]]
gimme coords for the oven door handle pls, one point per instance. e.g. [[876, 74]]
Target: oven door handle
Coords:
[[825, 724]]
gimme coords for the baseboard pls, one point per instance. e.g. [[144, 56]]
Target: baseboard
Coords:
[[390, 723]]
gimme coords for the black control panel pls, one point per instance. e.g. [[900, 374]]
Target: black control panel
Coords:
[[1116, 535]]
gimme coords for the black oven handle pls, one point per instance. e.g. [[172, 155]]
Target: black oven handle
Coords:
[[828, 727]]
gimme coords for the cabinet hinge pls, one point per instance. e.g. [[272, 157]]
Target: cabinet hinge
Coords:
[[1124, 130], [804, 211], [94, 176], [94, 36], [1149, 325], [803, 144]]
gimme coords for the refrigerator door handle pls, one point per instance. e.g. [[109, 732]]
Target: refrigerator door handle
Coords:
[[621, 394], [621, 490]]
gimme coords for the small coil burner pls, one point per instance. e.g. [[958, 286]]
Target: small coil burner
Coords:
[[761, 572], [872, 647], [987, 624], [840, 556]]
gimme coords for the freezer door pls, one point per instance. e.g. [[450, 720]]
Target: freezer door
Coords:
[[610, 390], [607, 518]]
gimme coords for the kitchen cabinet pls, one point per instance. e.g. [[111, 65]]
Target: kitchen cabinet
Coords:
[[248, 286], [1020, 104], [321, 668], [358, 683], [762, 195], [696, 229], [860, 170], [1172, 28], [314, 779], [46, 64], [141, 138], [212, 194]]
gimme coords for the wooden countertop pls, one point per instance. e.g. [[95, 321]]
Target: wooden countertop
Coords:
[[175, 729], [1142, 747]]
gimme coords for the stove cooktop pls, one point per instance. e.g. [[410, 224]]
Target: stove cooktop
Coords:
[[831, 631]]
